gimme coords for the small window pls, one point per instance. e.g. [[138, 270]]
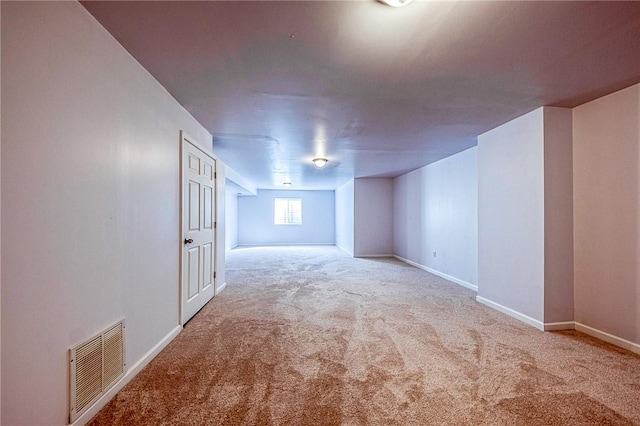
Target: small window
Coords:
[[288, 211]]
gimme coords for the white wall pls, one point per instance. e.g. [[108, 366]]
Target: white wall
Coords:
[[435, 208], [221, 227], [90, 201], [0, 231], [558, 215], [607, 213], [231, 216], [255, 219], [525, 218], [373, 217], [511, 215], [344, 217]]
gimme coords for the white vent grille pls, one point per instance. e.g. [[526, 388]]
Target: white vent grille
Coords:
[[96, 365], [113, 364]]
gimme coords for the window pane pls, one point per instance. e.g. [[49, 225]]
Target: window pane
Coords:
[[287, 211]]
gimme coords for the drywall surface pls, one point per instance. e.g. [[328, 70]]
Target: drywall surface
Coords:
[[606, 141], [221, 227], [255, 219], [344, 217], [231, 216], [511, 215], [0, 231], [373, 217], [90, 201], [558, 215], [435, 209]]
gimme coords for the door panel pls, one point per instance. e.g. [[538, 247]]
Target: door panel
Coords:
[[198, 229], [193, 279], [208, 208], [194, 206], [194, 164], [208, 170], [207, 258]]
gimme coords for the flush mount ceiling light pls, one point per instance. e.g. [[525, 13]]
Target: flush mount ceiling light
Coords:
[[396, 3], [287, 183], [320, 162]]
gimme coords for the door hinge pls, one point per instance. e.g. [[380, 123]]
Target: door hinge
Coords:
[[215, 175], [214, 275], [215, 225]]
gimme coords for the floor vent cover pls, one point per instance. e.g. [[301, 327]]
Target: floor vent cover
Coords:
[[96, 365]]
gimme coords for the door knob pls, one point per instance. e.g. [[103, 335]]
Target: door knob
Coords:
[[188, 241]]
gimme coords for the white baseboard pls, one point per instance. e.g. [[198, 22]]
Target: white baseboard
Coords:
[[222, 287], [373, 256], [559, 326], [345, 250], [130, 374], [283, 245], [565, 325], [514, 314], [438, 273], [609, 338]]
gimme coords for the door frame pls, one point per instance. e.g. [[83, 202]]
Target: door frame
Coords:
[[184, 139]]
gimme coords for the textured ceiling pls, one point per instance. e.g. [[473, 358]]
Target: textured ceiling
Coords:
[[378, 91]]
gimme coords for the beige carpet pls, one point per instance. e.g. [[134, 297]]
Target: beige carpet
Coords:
[[308, 335]]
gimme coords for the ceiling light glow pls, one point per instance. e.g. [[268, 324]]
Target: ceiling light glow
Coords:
[[396, 3], [320, 162]]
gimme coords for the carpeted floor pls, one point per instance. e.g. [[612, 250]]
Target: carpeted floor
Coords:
[[308, 335]]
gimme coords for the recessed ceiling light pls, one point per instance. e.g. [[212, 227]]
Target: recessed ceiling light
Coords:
[[320, 162], [287, 183], [396, 3]]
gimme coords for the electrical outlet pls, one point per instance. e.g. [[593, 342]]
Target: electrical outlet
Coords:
[[434, 253]]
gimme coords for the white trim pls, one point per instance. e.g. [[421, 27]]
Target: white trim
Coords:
[[209, 151], [514, 314], [130, 374], [609, 338], [184, 140], [565, 325], [438, 273], [373, 256], [243, 183], [222, 287], [284, 244], [344, 250], [557, 326]]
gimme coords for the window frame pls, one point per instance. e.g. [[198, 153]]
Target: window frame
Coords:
[[287, 214]]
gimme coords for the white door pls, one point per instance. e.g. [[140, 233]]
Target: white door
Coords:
[[198, 228]]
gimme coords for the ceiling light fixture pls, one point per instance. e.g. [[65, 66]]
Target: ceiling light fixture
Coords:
[[396, 3], [320, 162], [287, 183]]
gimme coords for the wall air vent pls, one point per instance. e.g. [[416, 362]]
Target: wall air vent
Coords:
[[96, 365]]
